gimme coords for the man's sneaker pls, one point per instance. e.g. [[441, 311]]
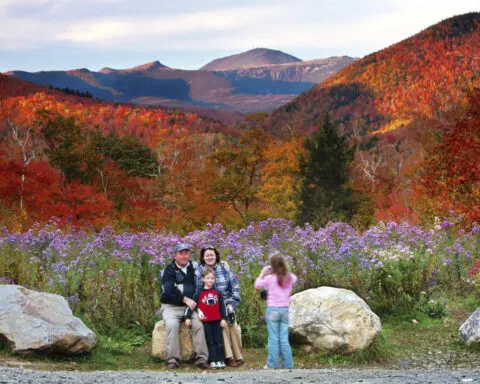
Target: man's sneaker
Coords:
[[172, 365]]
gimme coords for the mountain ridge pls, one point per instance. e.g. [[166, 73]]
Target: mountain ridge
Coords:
[[256, 89]]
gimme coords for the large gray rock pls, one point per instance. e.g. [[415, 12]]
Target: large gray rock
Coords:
[[332, 320], [32, 320], [469, 332]]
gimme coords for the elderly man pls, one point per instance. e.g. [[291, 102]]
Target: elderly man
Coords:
[[178, 282]]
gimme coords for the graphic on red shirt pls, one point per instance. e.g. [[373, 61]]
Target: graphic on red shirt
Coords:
[[210, 298]]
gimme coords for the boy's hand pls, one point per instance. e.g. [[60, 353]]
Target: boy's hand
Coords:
[[223, 323], [201, 316], [188, 322]]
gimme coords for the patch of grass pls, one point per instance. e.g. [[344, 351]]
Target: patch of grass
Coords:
[[469, 303], [254, 336], [415, 334], [376, 353]]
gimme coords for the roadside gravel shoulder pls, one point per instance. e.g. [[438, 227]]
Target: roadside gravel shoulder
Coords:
[[333, 376]]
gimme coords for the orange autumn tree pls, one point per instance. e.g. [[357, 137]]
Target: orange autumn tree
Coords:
[[239, 174], [280, 177], [19, 139], [449, 179]]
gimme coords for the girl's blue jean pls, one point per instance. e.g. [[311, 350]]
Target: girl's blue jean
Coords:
[[277, 326]]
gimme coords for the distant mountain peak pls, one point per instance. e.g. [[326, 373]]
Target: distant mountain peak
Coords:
[[79, 70], [107, 70], [256, 57], [149, 66]]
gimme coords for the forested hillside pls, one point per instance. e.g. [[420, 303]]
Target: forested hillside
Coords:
[[91, 162], [422, 77], [399, 106], [393, 136]]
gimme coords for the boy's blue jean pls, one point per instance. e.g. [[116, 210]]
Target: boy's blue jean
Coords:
[[277, 326]]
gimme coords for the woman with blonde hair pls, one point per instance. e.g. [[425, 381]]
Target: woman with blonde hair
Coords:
[[278, 282]]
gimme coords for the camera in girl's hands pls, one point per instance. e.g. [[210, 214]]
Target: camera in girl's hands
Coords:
[[263, 294]]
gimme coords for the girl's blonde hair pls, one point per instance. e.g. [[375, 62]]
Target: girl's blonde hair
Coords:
[[280, 268]]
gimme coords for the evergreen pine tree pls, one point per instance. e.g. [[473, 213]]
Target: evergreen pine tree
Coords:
[[324, 195]]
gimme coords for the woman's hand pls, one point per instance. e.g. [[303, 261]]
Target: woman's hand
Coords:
[[188, 323], [223, 323]]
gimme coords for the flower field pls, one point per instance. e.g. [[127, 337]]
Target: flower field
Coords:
[[111, 280]]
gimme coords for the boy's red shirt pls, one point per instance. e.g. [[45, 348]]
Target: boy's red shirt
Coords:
[[210, 302]]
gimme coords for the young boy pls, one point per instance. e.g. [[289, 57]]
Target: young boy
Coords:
[[211, 310]]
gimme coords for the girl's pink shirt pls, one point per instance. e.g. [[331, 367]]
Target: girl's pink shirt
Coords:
[[277, 296]]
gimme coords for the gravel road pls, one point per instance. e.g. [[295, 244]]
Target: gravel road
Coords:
[[332, 376]]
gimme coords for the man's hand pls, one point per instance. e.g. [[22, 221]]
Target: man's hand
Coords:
[[188, 322], [223, 323], [190, 303], [229, 308]]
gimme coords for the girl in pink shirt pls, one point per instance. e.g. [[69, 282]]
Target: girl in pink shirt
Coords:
[[278, 282]]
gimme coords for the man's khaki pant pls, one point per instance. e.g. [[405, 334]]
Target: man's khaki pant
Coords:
[[232, 342], [173, 314]]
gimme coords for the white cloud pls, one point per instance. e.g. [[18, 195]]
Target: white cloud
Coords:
[[119, 31], [221, 25]]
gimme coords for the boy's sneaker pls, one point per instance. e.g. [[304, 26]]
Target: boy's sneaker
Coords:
[[220, 364], [213, 364]]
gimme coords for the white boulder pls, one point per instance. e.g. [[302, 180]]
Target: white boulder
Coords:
[[469, 331], [332, 320], [38, 321]]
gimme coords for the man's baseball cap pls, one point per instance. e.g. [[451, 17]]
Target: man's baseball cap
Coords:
[[182, 247]]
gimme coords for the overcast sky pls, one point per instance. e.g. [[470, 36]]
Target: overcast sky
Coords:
[[65, 34]]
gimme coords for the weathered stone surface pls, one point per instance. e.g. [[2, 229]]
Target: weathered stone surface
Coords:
[[469, 331], [333, 320], [159, 346], [32, 320]]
